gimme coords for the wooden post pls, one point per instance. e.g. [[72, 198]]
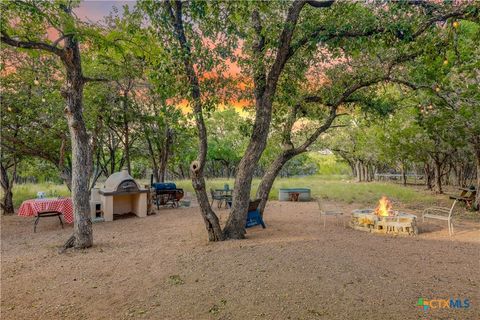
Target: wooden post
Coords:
[[149, 200]]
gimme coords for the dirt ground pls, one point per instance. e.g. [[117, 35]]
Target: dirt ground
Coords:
[[161, 267]]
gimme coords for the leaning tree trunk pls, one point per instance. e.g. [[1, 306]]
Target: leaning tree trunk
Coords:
[[66, 176], [197, 167], [269, 178], [265, 87], [81, 158], [7, 186], [265, 84], [235, 226]]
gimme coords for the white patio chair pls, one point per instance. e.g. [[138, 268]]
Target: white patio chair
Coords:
[[330, 213], [440, 213]]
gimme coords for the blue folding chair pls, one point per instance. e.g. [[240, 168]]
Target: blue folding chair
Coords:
[[254, 219], [253, 216]]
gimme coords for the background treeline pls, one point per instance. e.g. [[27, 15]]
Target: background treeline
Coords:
[[387, 87]]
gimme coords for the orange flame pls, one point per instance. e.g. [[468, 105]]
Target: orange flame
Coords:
[[384, 207]]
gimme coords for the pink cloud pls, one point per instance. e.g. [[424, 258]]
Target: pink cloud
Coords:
[[96, 10]]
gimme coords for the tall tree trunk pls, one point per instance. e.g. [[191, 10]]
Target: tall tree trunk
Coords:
[[404, 175], [353, 168], [7, 202], [182, 172], [164, 157], [428, 176], [152, 157], [126, 129], [81, 157], [358, 169], [438, 176], [457, 171]]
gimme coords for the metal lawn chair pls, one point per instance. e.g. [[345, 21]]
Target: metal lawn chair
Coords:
[[441, 213], [329, 213]]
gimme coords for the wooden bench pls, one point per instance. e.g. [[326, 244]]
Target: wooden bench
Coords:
[[440, 213], [45, 214], [465, 197]]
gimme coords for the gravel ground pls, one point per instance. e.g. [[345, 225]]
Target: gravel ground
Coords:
[[161, 267]]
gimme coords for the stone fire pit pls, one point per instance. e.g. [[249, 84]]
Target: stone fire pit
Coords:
[[396, 222]]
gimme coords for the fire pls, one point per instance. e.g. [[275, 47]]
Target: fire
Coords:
[[384, 207]]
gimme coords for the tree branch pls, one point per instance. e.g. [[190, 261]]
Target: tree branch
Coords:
[[355, 34], [292, 117], [343, 98], [321, 4], [328, 122], [56, 42], [87, 79], [5, 38], [416, 87], [425, 26], [284, 44], [326, 37]]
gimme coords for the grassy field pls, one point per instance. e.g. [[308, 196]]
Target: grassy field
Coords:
[[26, 191], [338, 188]]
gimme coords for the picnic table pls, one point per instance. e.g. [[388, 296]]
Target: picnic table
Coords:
[[224, 195], [225, 192], [467, 196], [48, 207]]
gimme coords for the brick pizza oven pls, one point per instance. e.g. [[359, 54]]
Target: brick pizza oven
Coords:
[[121, 194]]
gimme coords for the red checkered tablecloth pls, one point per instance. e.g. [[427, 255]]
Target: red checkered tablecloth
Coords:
[[30, 208]]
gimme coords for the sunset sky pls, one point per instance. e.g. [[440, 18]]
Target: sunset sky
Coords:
[[95, 10]]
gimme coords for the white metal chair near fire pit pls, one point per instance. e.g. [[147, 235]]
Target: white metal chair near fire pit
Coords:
[[440, 213], [329, 213]]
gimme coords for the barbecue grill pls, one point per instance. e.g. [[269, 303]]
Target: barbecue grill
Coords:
[[166, 193]]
